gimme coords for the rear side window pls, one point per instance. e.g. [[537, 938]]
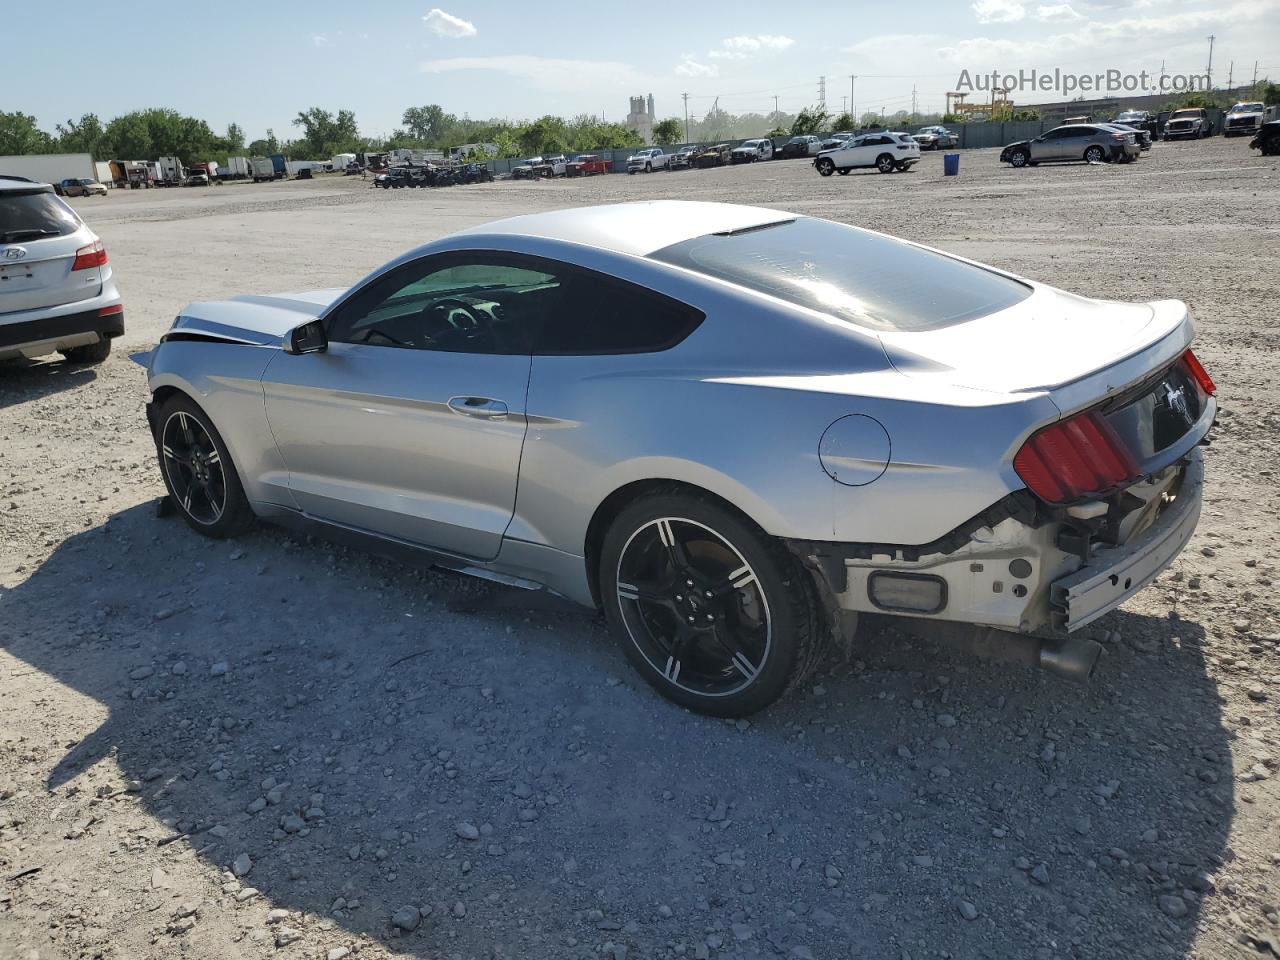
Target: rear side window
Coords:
[[34, 216], [864, 278], [602, 315]]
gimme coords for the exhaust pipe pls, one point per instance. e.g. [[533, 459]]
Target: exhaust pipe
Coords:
[[1071, 657]]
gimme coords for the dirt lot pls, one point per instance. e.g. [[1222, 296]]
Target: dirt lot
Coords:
[[276, 748]]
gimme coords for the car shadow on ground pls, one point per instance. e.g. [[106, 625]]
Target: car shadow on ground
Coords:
[[24, 380], [337, 718]]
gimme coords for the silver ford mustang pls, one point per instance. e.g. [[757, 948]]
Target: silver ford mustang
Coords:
[[734, 429]]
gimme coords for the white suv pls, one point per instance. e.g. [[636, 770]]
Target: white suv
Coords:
[[886, 152], [57, 294], [648, 160]]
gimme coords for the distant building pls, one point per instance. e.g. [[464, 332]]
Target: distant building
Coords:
[[641, 118]]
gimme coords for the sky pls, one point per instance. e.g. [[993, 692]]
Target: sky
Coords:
[[259, 63]]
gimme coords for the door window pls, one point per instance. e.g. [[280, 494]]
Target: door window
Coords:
[[510, 304]]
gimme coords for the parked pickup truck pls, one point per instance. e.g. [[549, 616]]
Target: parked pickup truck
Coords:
[[551, 166], [648, 160], [1244, 118], [585, 165], [1191, 122]]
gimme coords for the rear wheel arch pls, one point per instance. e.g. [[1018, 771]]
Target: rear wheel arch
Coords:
[[612, 505]]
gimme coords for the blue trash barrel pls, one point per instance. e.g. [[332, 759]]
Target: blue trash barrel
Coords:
[[951, 164]]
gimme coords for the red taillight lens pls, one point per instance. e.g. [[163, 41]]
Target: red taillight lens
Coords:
[[112, 310], [1073, 459], [1200, 374], [94, 255]]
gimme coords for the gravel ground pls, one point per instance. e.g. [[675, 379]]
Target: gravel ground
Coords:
[[278, 748]]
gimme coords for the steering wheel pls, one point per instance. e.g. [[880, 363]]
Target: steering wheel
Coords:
[[458, 314]]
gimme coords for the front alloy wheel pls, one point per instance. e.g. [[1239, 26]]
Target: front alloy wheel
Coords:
[[714, 614], [826, 166], [198, 472], [1018, 158]]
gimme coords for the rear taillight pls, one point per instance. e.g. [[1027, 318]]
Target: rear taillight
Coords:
[[1201, 375], [94, 255], [1075, 459]]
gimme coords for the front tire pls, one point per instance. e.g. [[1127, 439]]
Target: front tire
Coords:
[[198, 471], [712, 612], [1019, 158], [90, 353], [826, 166]]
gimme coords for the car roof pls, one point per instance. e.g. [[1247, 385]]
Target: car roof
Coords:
[[637, 229], [15, 184]]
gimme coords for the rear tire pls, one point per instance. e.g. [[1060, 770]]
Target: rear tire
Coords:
[[711, 611], [198, 471], [885, 163], [89, 353], [1095, 154]]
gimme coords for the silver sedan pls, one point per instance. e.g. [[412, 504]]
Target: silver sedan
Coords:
[[734, 429]]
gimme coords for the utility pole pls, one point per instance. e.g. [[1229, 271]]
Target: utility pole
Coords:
[[685, 97], [822, 93], [1231, 72], [1255, 73], [914, 111], [844, 104], [1208, 72], [853, 104], [775, 109]]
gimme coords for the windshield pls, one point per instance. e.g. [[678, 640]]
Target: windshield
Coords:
[[32, 216], [1247, 108], [1129, 115], [864, 278], [1185, 114]]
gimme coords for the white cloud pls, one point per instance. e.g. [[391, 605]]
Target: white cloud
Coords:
[[742, 47], [447, 25], [1058, 12], [999, 11], [320, 40], [688, 67], [546, 72]]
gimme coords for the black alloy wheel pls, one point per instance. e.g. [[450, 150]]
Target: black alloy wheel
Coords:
[[714, 614], [198, 472]]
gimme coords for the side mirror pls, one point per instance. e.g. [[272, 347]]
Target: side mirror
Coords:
[[308, 338]]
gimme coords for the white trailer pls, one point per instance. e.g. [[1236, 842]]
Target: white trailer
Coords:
[[341, 160], [262, 169], [237, 169], [50, 167], [171, 172], [102, 171]]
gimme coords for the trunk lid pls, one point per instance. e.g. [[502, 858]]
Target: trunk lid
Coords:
[[1076, 349]]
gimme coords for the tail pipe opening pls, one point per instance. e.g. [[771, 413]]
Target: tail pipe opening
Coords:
[[1074, 658]]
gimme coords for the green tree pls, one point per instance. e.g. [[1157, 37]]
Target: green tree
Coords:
[[428, 123], [951, 118], [233, 142], [130, 138], [1269, 93], [85, 136], [19, 134], [325, 134], [546, 135], [506, 143], [843, 122], [810, 120], [666, 132], [871, 119]]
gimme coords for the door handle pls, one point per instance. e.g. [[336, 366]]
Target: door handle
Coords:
[[484, 407]]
